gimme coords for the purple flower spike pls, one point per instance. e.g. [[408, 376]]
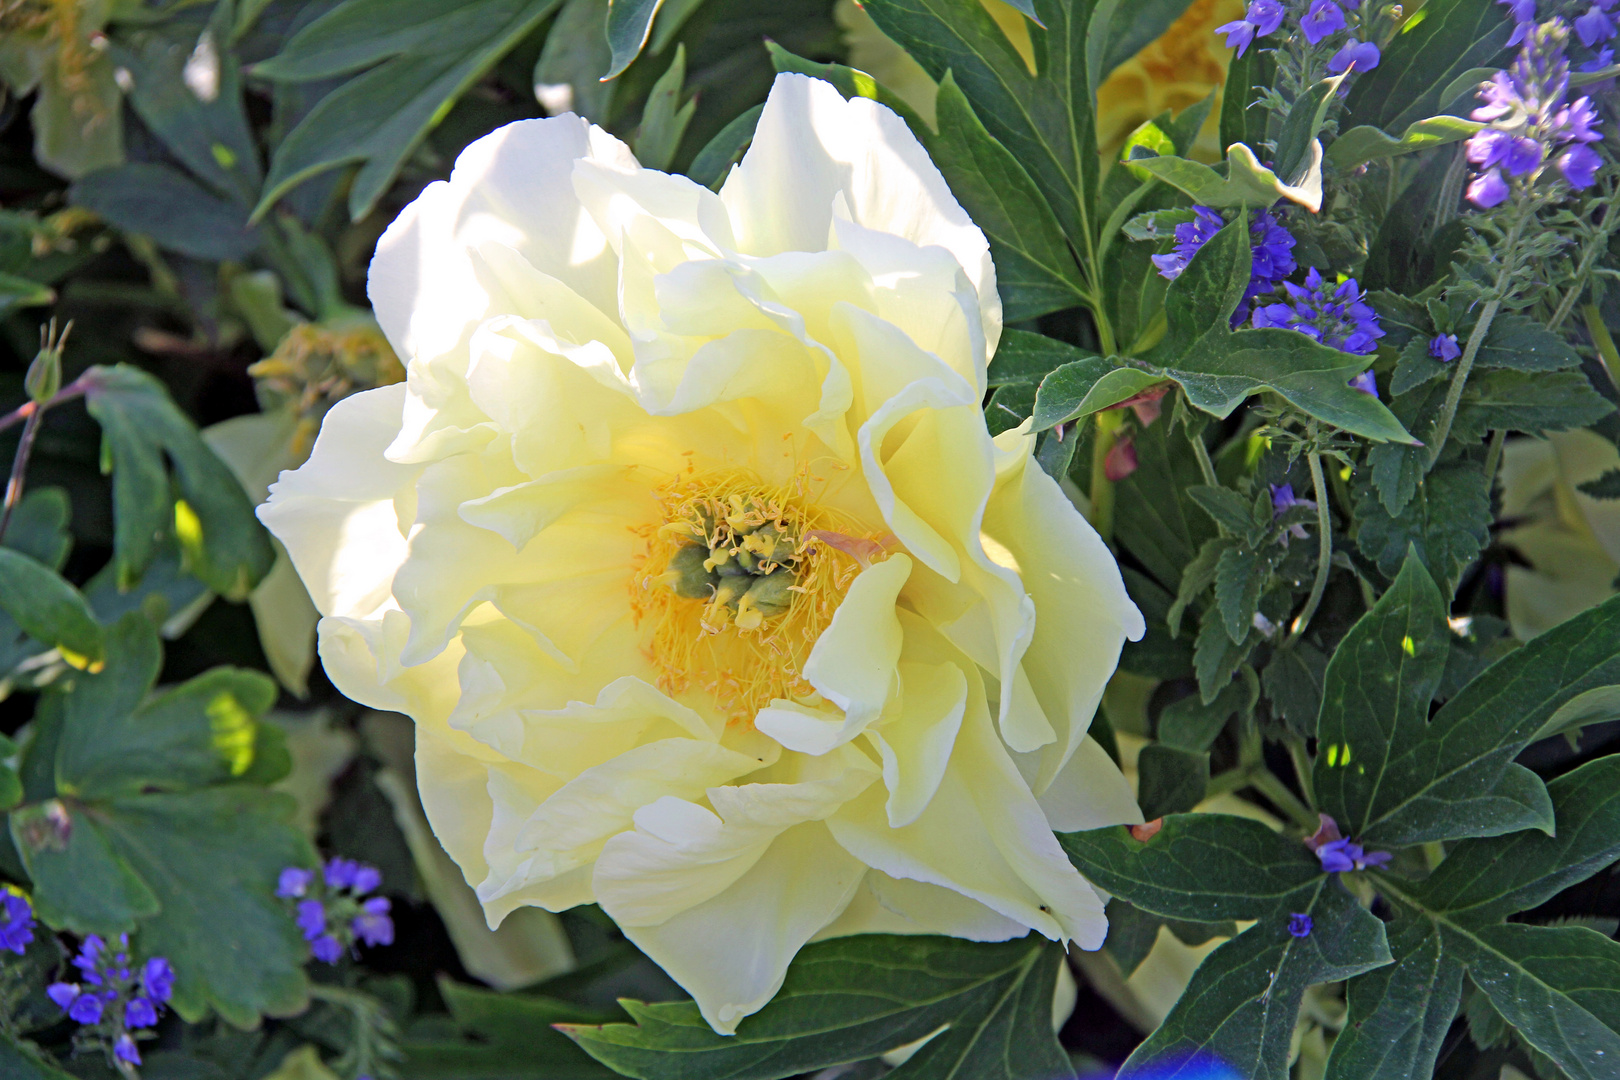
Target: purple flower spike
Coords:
[[1190, 236], [366, 878], [1266, 16], [372, 925], [340, 872], [85, 1009], [1443, 347], [1579, 164], [1299, 924], [1363, 55], [1324, 18], [125, 1050], [63, 994], [16, 923]]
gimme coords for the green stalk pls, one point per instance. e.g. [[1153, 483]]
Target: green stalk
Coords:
[[1607, 355], [1324, 551], [1102, 488]]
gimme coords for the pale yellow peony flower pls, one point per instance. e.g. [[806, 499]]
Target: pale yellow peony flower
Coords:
[[1176, 70], [686, 547]]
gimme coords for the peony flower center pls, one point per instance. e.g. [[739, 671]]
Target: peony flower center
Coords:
[[738, 582]]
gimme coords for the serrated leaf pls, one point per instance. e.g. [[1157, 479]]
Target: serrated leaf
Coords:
[[1558, 986], [1448, 520], [1132, 933], [1170, 780], [1219, 368], [225, 546], [1534, 402], [80, 883], [1215, 656], [1489, 879], [1416, 367], [856, 997], [1523, 344], [1376, 694], [1366, 143], [1293, 681], [1119, 30], [1086, 386], [1398, 1015], [1199, 867], [1240, 577], [1228, 509], [47, 608], [1243, 1001], [1606, 486], [1445, 788]]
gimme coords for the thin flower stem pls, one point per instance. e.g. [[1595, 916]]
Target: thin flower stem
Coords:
[[1267, 783], [1493, 456], [1302, 765], [1324, 551], [1202, 453], [1607, 354], [1102, 488], [76, 389], [19, 468]]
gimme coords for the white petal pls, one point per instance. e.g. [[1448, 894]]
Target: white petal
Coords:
[[853, 663], [811, 146], [916, 745], [1089, 792]]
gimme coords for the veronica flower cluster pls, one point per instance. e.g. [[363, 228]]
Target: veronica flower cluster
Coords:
[[333, 910], [114, 1001], [1339, 855], [1319, 20], [1531, 121], [1271, 247], [1333, 313]]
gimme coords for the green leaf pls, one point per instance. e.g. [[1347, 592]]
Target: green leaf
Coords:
[[1366, 143], [1120, 28], [47, 608], [713, 163], [1198, 867], [1082, 387], [1215, 655], [1240, 577], [1246, 181], [1448, 520], [575, 55], [854, 998], [1534, 402], [1153, 517], [1243, 1001], [378, 117], [664, 118], [1489, 879], [1218, 367], [224, 544], [1035, 271], [1023, 357], [1008, 407], [1294, 683], [505, 1036], [1044, 122], [192, 868], [1376, 694], [1558, 986], [1302, 125], [1398, 1015], [1606, 486], [199, 733], [1451, 38], [21, 1061], [628, 24], [1190, 724], [1447, 787], [163, 203], [1226, 507], [1171, 781], [20, 292], [1524, 345]]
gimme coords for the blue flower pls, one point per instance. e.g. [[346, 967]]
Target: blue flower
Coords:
[[340, 872], [1322, 19], [1524, 18], [294, 882], [1364, 55], [1262, 18], [140, 1013], [16, 923], [366, 878], [1300, 924], [1190, 236], [125, 1050], [326, 949], [1444, 347], [1579, 165], [85, 1009], [1333, 314], [1366, 383], [311, 919], [1594, 26], [1239, 34], [158, 979], [1342, 856], [372, 925]]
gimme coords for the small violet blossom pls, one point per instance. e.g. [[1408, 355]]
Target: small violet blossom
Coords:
[[1524, 18], [1271, 252], [1262, 19], [1300, 925], [1531, 121], [16, 922], [1362, 55], [1323, 18], [333, 912], [1594, 27], [1339, 855], [1283, 499], [1333, 313], [1444, 347], [1366, 383], [115, 1000]]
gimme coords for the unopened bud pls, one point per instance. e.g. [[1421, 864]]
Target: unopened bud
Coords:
[[44, 378]]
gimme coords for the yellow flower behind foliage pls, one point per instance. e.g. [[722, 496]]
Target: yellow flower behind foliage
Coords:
[[1178, 69], [57, 47]]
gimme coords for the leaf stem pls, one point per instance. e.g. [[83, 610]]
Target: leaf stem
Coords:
[[1324, 551], [1201, 452], [1608, 356], [1266, 783], [1102, 488], [1302, 765], [1493, 456], [19, 468], [1459, 378]]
